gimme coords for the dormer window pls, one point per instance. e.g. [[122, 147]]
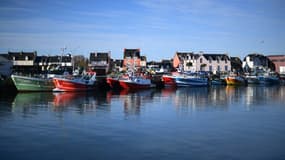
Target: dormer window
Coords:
[[201, 60], [26, 58]]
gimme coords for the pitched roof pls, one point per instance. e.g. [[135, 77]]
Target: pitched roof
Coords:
[[131, 53], [143, 58], [23, 55], [216, 56], [99, 56]]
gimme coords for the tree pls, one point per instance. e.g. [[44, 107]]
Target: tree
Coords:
[[189, 64], [203, 65], [79, 61]]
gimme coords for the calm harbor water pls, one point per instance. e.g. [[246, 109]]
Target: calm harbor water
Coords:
[[185, 123]]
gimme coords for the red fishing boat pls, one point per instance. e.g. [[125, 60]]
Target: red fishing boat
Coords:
[[135, 82], [83, 83], [168, 80], [113, 82]]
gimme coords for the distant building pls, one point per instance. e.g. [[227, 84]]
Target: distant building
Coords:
[[100, 62], [256, 61], [188, 61], [167, 65], [117, 65], [143, 61], [132, 59], [54, 63], [279, 62], [185, 61], [23, 61], [217, 63], [42, 63], [163, 66]]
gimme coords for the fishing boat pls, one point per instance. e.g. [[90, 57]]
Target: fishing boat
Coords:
[[252, 79], [34, 83], [83, 83], [113, 82], [263, 77], [135, 82], [168, 80], [218, 80], [269, 79], [186, 79], [234, 79], [191, 80]]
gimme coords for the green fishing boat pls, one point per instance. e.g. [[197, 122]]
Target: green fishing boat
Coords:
[[26, 83]]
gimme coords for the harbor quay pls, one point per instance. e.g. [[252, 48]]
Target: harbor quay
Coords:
[[135, 72]]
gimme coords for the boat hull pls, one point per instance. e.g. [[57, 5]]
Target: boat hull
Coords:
[[235, 81], [65, 85], [132, 85], [184, 82], [113, 83], [168, 81], [24, 83], [269, 80]]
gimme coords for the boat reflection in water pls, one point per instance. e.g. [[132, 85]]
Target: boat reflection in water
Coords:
[[80, 101], [185, 123], [133, 102], [31, 102], [196, 98]]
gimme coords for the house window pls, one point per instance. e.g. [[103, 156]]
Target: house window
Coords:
[[219, 68], [226, 68], [201, 60], [26, 58], [210, 60], [226, 61], [218, 60], [210, 68]]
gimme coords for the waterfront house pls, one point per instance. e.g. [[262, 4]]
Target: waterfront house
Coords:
[[143, 61], [188, 61], [54, 63], [256, 61], [60, 63], [279, 62], [42, 63], [132, 59], [160, 67], [117, 65], [100, 62], [23, 61], [166, 65], [185, 61], [216, 63]]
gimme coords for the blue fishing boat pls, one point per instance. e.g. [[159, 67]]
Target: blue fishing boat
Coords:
[[191, 79]]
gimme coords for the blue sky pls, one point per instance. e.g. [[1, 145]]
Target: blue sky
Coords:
[[158, 27]]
